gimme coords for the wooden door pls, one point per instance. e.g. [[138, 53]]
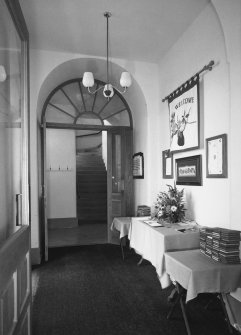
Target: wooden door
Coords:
[[44, 225], [119, 176], [15, 283], [15, 274]]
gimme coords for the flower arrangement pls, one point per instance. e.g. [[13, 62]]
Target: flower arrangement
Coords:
[[170, 205]]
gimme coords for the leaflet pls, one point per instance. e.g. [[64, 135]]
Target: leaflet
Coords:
[[153, 223]]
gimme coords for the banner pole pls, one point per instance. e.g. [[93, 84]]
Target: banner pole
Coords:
[[207, 67]]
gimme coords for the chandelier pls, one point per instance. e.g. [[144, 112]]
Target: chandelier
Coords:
[[108, 89]]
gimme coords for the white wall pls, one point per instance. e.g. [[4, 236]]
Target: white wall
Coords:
[[61, 173], [104, 147], [230, 18], [88, 142], [202, 42]]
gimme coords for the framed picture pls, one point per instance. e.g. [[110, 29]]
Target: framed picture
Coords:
[[216, 157], [138, 165], [189, 170], [184, 117], [167, 164]]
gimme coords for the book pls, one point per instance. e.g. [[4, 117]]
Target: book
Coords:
[[153, 223]]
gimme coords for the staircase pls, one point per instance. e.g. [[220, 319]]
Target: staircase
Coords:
[[91, 182]]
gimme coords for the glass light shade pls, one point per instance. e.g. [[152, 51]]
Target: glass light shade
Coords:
[[108, 91], [88, 79], [3, 74], [125, 79]]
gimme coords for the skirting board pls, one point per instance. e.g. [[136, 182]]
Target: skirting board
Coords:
[[62, 223], [35, 256]]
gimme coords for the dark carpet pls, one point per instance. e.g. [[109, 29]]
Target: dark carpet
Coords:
[[89, 290]]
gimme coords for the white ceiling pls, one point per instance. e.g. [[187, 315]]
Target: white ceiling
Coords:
[[139, 29]]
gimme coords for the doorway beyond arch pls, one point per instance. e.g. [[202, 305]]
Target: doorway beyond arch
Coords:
[[71, 108]]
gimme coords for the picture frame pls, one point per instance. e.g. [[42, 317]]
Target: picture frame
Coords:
[[167, 164], [138, 165], [189, 170], [216, 157]]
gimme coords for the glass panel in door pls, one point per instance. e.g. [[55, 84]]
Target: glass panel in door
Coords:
[[116, 176], [119, 176], [10, 125], [15, 288]]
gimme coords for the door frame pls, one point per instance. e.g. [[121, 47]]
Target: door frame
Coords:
[[126, 194], [53, 125]]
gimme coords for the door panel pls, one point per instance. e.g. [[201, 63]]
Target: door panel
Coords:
[[119, 176], [15, 288]]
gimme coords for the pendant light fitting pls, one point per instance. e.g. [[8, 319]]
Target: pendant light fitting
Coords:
[[108, 89]]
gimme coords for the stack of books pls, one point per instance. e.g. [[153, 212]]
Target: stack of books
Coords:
[[143, 210], [220, 244], [202, 232]]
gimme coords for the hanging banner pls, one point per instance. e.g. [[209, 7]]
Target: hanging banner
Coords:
[[184, 117]]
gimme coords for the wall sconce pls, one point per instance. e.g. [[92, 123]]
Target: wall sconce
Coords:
[[108, 89]]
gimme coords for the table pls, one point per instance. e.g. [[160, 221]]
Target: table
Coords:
[[197, 273], [151, 243], [121, 224]]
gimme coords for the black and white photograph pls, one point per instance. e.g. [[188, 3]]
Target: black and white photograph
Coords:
[[120, 159]]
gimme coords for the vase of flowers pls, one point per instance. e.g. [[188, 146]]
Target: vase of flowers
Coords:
[[170, 205]]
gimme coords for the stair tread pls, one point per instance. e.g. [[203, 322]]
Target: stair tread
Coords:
[[91, 182]]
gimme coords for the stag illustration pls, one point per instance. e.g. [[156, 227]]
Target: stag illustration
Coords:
[[178, 126]]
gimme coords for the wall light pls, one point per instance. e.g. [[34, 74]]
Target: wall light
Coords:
[[108, 89]]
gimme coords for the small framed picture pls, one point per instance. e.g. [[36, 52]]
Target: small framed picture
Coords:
[[167, 164], [138, 165], [189, 170], [216, 157]]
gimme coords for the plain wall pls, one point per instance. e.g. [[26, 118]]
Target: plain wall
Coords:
[[104, 147], [230, 18], [61, 173], [201, 43], [88, 142]]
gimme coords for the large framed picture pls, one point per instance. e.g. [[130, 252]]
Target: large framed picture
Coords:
[[184, 117], [189, 170], [216, 157], [138, 165], [167, 164]]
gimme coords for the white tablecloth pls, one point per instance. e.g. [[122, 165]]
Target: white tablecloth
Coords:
[[198, 273], [151, 243], [122, 224]]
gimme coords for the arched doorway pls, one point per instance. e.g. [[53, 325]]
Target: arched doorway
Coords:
[[75, 113]]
